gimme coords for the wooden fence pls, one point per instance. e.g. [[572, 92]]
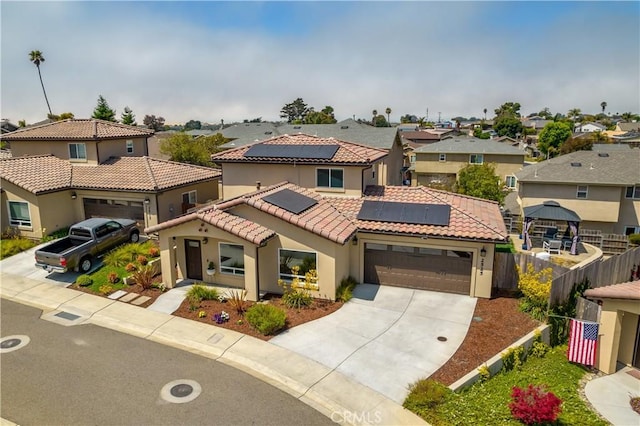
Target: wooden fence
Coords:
[[602, 272]]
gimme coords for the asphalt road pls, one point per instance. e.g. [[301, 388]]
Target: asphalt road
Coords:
[[88, 375]]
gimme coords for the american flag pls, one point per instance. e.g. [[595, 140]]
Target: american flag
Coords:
[[583, 338]]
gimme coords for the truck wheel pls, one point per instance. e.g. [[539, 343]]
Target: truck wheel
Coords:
[[85, 264], [135, 237]]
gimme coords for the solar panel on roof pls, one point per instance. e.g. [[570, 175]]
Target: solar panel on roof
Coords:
[[313, 152], [291, 201], [419, 214]]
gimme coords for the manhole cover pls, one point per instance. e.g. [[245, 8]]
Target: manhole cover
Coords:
[[180, 391], [67, 316], [13, 343], [442, 338]]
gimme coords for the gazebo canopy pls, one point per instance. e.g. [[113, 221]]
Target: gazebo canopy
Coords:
[[551, 210]]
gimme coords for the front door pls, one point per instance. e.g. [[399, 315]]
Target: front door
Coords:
[[193, 259]]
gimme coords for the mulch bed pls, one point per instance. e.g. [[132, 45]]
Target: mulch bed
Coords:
[[501, 325], [295, 317]]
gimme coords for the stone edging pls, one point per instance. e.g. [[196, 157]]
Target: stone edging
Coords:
[[495, 363]]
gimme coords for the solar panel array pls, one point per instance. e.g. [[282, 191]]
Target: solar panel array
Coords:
[[308, 152], [291, 201], [419, 214]]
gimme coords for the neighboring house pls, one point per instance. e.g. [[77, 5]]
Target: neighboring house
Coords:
[[82, 141], [618, 340], [411, 140], [438, 164], [326, 165], [628, 127], [601, 186], [65, 171], [7, 127], [398, 236], [589, 127], [631, 139], [347, 130], [41, 194]]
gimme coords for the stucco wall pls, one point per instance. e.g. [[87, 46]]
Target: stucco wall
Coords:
[[629, 214], [601, 205], [118, 148], [240, 178], [170, 202], [617, 333], [59, 149], [429, 163]]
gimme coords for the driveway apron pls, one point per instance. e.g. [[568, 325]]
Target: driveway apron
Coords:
[[386, 337]]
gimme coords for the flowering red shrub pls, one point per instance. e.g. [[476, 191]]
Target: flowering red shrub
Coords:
[[534, 405]]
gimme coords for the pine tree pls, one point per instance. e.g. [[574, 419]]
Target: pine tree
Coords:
[[128, 117], [103, 111]]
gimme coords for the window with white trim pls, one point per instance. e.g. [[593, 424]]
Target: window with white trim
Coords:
[[19, 214], [442, 157], [628, 230], [231, 259], [511, 181], [476, 159], [129, 147], [189, 197], [330, 178], [77, 151], [633, 192], [582, 191], [296, 264]]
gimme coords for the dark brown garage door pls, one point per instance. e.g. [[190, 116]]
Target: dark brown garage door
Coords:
[[418, 267], [95, 207]]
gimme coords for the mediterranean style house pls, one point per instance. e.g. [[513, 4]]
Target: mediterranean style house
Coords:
[[326, 165], [63, 172], [438, 164], [602, 186], [394, 235]]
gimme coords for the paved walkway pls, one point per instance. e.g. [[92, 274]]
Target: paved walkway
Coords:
[[324, 388], [386, 337], [610, 396]]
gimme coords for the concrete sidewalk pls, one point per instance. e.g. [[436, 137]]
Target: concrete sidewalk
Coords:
[[323, 388], [610, 396]]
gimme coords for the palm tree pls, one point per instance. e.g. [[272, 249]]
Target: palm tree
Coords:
[[574, 113], [36, 57], [485, 113], [603, 105], [388, 112]]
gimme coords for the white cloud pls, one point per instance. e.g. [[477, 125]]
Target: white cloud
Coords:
[[453, 58]]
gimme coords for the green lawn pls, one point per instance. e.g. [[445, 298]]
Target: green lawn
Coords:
[[488, 402]]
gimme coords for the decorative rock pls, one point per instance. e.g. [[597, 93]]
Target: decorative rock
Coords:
[[129, 297], [140, 300]]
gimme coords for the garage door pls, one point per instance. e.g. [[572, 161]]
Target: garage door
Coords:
[[95, 207], [418, 267]]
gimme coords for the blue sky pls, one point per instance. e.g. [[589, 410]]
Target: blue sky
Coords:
[[241, 60]]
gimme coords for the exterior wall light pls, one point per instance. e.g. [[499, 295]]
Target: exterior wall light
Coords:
[[483, 252]]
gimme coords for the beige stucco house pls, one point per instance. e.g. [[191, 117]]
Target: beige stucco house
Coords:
[[326, 165], [438, 164], [400, 236], [93, 168], [601, 186], [619, 326]]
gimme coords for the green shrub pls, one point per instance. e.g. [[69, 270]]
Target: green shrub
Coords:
[[60, 233], [117, 258], [202, 292], [267, 319], [425, 395], [106, 289], [84, 280], [513, 358], [194, 302], [296, 298], [539, 349], [344, 293], [634, 239], [484, 373], [11, 246]]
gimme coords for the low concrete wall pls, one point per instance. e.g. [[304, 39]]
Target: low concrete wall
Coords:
[[495, 363]]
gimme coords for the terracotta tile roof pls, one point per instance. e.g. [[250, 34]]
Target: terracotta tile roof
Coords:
[[629, 290], [141, 174], [77, 129], [235, 225], [42, 173], [322, 219], [47, 173], [470, 218], [347, 153]]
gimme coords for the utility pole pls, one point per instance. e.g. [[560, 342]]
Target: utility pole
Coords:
[[439, 116], [427, 117]]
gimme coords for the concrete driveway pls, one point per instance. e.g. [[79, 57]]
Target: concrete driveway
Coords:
[[386, 337]]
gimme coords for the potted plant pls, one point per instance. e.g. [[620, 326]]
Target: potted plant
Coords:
[[211, 268]]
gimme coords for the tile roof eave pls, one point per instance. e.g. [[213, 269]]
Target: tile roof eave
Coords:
[[302, 161], [432, 236]]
